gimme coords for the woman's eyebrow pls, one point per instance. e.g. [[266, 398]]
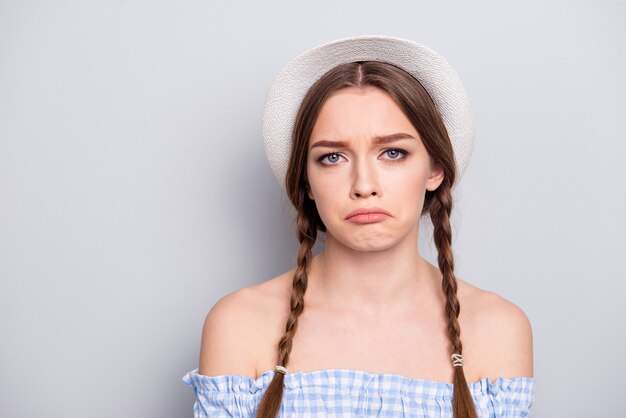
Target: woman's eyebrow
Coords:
[[377, 140], [385, 139]]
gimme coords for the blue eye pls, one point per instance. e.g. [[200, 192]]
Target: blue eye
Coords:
[[333, 157], [393, 153]]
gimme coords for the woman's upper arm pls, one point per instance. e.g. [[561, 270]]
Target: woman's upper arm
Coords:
[[508, 339], [225, 345]]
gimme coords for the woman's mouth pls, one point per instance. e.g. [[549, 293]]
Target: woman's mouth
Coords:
[[367, 215]]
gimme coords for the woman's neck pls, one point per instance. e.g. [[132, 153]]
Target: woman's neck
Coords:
[[370, 282]]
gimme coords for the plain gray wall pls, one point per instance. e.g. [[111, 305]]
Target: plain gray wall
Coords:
[[134, 190]]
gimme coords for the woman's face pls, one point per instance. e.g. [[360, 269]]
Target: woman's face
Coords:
[[364, 153]]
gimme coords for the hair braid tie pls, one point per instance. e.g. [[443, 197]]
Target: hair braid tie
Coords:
[[457, 360], [281, 369]]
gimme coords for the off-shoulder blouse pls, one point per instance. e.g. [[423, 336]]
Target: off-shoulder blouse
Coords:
[[354, 393]]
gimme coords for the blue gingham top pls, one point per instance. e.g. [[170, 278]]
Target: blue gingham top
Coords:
[[353, 393]]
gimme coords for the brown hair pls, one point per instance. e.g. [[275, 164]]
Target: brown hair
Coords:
[[415, 102]]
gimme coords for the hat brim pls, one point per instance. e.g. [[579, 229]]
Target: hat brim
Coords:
[[432, 70]]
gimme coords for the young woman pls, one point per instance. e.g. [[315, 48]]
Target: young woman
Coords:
[[367, 135]]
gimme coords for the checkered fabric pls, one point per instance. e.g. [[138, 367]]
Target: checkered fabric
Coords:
[[351, 393]]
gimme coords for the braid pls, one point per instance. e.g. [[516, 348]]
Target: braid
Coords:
[[440, 209], [272, 398]]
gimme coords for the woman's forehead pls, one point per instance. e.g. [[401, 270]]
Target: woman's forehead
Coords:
[[357, 112]]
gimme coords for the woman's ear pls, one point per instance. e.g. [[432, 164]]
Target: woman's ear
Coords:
[[435, 177], [309, 192]]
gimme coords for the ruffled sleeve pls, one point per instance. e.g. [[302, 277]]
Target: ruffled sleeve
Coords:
[[504, 397], [225, 395]]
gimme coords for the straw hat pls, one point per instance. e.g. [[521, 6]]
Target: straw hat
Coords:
[[432, 70]]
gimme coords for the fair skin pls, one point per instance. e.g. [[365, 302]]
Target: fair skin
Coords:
[[372, 302]]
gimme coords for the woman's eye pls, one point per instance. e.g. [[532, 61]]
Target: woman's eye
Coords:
[[332, 158], [394, 153]]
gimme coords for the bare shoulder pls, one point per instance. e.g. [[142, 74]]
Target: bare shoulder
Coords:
[[500, 330], [235, 329]]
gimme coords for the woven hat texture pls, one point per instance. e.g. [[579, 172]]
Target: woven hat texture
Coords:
[[432, 70]]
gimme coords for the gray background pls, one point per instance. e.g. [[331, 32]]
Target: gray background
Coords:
[[134, 190]]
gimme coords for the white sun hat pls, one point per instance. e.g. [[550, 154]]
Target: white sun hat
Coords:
[[432, 70]]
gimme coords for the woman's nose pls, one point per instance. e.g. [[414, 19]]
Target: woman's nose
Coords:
[[364, 179]]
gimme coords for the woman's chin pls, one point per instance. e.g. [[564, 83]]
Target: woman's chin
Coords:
[[369, 243]]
